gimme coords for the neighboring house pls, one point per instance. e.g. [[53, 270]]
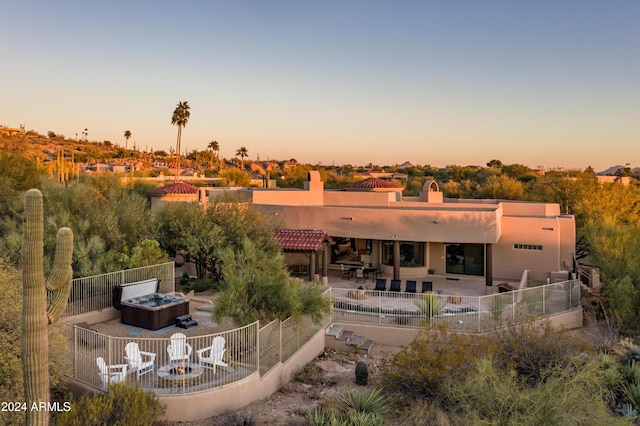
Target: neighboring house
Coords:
[[624, 180], [178, 192]]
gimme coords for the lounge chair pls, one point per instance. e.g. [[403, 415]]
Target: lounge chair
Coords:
[[427, 286], [395, 285], [410, 287], [179, 349], [111, 373], [381, 284], [212, 356], [135, 359]]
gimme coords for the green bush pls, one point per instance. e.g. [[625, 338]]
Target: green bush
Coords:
[[430, 304], [200, 285], [530, 348], [124, 405], [572, 394], [422, 367]]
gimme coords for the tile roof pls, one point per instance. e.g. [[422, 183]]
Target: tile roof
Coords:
[[176, 188], [373, 183], [301, 239]]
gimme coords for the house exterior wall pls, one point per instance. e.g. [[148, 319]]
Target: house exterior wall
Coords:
[[385, 216], [528, 232]]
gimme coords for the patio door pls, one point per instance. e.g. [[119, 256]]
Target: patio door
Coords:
[[465, 259]]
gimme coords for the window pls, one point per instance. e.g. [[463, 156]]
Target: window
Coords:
[[527, 247], [411, 253]]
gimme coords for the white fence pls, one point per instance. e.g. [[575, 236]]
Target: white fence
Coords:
[[454, 312], [95, 293]]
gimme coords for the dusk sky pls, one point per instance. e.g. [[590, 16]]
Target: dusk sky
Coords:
[[551, 83]]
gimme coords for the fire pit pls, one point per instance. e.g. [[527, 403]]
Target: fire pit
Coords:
[[181, 369]]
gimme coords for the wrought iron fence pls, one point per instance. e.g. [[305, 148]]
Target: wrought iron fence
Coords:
[[95, 293], [454, 311]]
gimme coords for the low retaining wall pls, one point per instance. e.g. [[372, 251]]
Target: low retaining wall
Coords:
[[399, 337], [239, 394]]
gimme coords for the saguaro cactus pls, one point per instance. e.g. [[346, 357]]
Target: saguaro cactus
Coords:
[[35, 315]]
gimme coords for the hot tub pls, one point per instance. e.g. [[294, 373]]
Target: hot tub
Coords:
[[142, 306]]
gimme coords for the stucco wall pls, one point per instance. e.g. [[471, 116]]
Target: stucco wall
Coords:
[[545, 232], [243, 392], [383, 224]]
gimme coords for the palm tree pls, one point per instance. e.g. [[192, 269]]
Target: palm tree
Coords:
[[127, 135], [180, 118], [215, 146], [242, 152]]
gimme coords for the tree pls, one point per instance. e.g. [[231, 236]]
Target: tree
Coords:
[[257, 286], [214, 146], [199, 234], [180, 118], [242, 152], [127, 135]]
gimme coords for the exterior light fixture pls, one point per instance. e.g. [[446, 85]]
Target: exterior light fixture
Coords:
[[346, 218]]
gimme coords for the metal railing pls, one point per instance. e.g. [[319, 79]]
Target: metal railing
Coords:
[[163, 374], [454, 312], [247, 349], [95, 293]]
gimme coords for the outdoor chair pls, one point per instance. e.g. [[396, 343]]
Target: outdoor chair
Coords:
[[137, 363], [346, 272], [111, 373], [395, 285], [410, 287], [179, 349], [381, 284], [360, 275], [212, 356], [427, 286]]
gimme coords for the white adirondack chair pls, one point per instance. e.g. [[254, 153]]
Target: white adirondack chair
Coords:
[[212, 356], [111, 373], [179, 349], [137, 363]]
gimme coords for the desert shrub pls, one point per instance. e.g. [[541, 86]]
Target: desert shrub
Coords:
[[124, 405], [572, 394], [200, 285], [420, 412], [604, 333], [530, 348], [184, 280], [421, 368], [373, 401], [352, 409], [310, 374], [430, 304], [497, 306]]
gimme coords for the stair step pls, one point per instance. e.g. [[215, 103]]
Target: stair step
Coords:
[[355, 341], [366, 346], [334, 331], [346, 335]]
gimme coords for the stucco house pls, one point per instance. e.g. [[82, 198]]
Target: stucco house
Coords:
[[409, 237], [413, 236]]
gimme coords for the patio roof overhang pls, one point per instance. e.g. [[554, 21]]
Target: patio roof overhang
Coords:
[[301, 240]]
